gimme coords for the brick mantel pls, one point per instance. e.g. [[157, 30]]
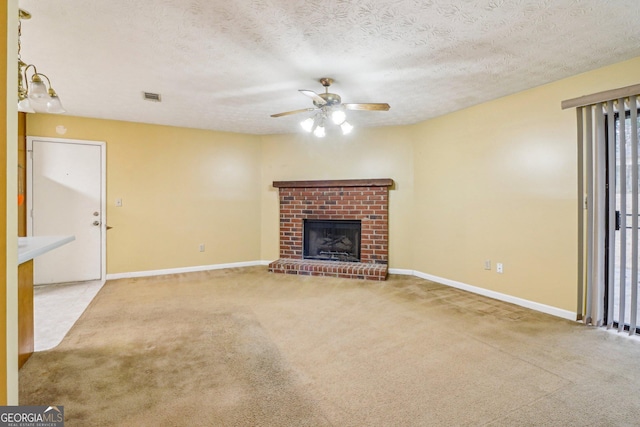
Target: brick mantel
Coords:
[[365, 200]]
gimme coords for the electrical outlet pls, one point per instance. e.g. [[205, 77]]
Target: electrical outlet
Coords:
[[201, 247], [499, 268], [487, 265]]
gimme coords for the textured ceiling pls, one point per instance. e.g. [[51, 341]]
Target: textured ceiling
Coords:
[[228, 65]]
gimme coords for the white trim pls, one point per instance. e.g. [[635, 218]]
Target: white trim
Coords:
[[193, 269], [554, 311], [11, 226], [547, 309], [401, 271], [103, 190]]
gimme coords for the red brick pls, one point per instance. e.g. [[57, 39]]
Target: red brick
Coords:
[[344, 202]]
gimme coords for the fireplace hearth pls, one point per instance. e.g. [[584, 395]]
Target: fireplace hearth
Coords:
[[334, 228]]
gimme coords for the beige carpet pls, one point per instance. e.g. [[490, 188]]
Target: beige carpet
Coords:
[[243, 347]]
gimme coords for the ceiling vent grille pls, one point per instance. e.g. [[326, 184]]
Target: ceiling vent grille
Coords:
[[150, 96]]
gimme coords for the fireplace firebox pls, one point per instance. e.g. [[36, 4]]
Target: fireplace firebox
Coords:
[[332, 240]]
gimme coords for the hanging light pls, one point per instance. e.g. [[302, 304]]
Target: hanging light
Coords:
[[34, 96], [319, 132], [338, 116], [307, 124], [38, 91], [54, 105], [346, 127]]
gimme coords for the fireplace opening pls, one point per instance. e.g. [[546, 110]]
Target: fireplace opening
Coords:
[[331, 240]]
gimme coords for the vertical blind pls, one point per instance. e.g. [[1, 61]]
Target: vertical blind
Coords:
[[607, 130]]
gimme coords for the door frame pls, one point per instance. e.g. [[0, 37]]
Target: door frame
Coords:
[[103, 190]]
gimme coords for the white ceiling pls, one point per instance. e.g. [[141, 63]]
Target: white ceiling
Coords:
[[227, 65]]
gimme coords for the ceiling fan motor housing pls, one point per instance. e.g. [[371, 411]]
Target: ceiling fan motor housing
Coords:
[[330, 98]]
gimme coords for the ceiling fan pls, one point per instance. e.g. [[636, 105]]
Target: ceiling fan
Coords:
[[329, 105]]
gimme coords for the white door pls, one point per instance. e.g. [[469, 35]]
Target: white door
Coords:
[[65, 196]]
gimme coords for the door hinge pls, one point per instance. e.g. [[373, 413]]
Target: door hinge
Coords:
[[617, 220]]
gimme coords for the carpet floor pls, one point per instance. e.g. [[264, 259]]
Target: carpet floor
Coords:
[[242, 347]]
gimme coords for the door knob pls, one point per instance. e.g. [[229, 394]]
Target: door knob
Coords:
[[96, 223]]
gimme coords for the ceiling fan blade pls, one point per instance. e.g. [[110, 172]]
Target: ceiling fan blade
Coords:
[[367, 107], [311, 94], [287, 113]]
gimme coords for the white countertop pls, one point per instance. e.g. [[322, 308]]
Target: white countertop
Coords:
[[31, 247]]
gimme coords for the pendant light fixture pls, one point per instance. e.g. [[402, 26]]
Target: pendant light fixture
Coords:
[[34, 96]]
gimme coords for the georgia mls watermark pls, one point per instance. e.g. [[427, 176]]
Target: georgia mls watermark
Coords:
[[31, 416]]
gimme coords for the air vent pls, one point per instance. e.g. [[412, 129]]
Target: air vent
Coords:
[[149, 96]]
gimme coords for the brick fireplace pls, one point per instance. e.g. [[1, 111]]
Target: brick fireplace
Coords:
[[365, 201]]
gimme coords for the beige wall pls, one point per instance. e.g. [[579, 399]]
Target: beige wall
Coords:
[[366, 153], [498, 182], [493, 182], [180, 188]]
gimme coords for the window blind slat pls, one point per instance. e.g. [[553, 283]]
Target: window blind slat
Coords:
[[581, 199], [611, 158], [634, 217], [590, 201], [599, 216], [623, 217]]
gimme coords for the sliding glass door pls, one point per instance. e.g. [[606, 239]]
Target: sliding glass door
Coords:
[[622, 218]]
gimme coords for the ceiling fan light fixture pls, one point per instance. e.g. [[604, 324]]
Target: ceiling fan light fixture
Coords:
[[307, 124], [329, 106], [346, 127]]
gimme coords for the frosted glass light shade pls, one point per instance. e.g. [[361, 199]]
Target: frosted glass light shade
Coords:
[[54, 106], [307, 124], [38, 90], [338, 116], [346, 128], [24, 106], [319, 132]]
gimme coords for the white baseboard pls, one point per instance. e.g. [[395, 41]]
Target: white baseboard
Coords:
[[149, 273], [401, 271], [554, 311]]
